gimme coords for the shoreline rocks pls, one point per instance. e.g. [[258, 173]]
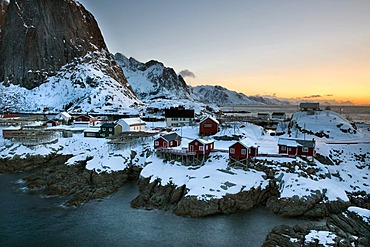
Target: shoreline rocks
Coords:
[[54, 178], [171, 197], [345, 229]]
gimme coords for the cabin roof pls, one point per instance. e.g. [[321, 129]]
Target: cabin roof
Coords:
[[203, 141], [171, 137], [296, 143], [108, 125], [212, 118]]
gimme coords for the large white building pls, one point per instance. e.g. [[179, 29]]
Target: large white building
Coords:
[[131, 124]]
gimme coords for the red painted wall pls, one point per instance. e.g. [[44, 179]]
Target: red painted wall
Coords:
[[208, 127]]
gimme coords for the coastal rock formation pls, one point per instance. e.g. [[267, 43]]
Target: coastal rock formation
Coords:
[[39, 37], [171, 197], [346, 229], [311, 207], [54, 178]]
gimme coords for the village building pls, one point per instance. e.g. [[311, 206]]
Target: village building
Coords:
[[131, 124], [11, 131], [179, 116], [51, 123], [278, 116], [85, 120], [110, 129], [168, 140], [263, 116], [201, 146], [92, 132], [208, 126], [64, 117], [309, 106], [296, 147], [241, 150]]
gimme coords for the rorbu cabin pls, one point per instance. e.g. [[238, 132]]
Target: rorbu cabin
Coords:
[[131, 124], [208, 126], [167, 141], [51, 123], [240, 150], [296, 147], [85, 120], [109, 129], [201, 146], [308, 106]]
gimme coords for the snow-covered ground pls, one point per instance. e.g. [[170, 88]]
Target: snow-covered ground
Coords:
[[349, 173]]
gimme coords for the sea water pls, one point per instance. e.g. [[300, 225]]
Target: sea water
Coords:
[[28, 219]]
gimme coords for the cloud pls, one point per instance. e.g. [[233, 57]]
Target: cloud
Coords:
[[187, 73], [317, 96]]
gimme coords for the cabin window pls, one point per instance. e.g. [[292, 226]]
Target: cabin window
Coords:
[[208, 125], [110, 129], [196, 143], [200, 148], [244, 151], [289, 149], [206, 147], [283, 148], [305, 149], [156, 143], [232, 150]]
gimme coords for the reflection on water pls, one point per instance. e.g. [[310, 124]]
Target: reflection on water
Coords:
[[29, 220]]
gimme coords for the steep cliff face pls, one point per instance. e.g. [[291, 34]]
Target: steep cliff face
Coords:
[[40, 36]]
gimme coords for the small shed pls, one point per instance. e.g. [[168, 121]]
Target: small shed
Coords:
[[51, 123], [64, 117], [278, 116], [296, 147], [241, 150], [11, 131], [131, 124], [201, 146], [208, 126], [308, 106], [168, 140], [92, 132]]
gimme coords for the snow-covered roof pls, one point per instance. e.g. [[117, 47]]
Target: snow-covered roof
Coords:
[[171, 137], [131, 121], [65, 114], [90, 130], [296, 143], [204, 142], [212, 118], [247, 143], [13, 128]]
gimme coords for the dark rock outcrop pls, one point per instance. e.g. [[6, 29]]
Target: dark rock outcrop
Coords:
[[311, 207], [171, 197], [346, 229], [40, 36]]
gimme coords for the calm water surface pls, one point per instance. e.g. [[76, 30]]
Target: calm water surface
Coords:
[[27, 219]]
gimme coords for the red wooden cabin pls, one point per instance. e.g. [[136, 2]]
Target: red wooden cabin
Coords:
[[208, 126], [168, 140], [240, 150], [296, 147], [201, 146]]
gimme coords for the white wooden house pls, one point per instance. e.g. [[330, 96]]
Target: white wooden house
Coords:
[[131, 124]]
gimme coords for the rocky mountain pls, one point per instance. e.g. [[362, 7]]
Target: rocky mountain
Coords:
[[152, 80], [223, 96], [54, 55]]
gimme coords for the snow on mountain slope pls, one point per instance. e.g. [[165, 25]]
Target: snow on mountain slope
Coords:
[[325, 124], [224, 96], [84, 85], [152, 80]]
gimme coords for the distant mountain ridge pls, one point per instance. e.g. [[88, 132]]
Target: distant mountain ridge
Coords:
[[152, 80]]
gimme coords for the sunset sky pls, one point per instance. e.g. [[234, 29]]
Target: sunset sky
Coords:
[[291, 49]]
